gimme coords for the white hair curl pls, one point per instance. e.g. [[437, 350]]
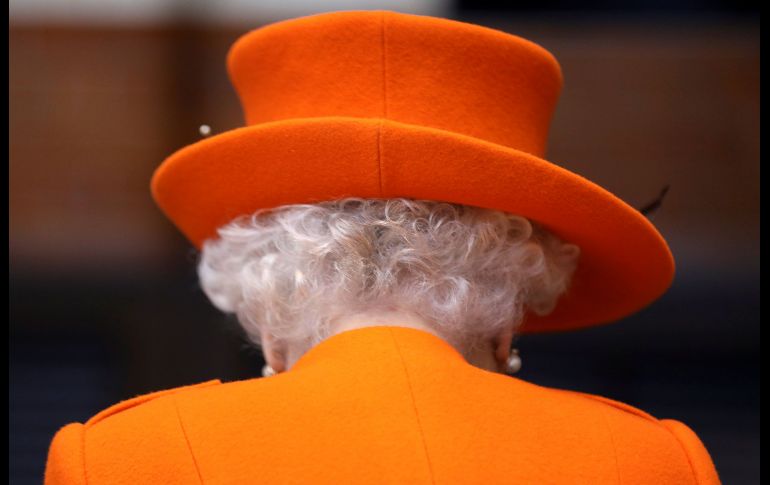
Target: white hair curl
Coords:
[[468, 271]]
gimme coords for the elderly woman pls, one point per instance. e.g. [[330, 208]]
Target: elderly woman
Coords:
[[383, 229]]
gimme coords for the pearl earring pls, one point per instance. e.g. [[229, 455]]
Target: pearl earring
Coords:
[[267, 371], [514, 362]]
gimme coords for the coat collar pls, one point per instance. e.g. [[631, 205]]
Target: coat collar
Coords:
[[380, 344]]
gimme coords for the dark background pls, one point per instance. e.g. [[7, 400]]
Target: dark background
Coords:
[[104, 298]]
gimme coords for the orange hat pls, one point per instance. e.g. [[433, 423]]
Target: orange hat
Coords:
[[380, 104]]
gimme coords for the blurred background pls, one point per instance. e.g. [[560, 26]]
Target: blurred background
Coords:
[[104, 298]]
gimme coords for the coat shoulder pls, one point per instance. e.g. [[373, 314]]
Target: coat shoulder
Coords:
[[138, 400], [139, 439], [670, 443], [626, 408]]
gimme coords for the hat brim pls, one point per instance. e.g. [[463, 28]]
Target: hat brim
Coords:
[[625, 264]]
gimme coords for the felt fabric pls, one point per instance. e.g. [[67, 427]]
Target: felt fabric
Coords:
[[380, 104], [381, 404]]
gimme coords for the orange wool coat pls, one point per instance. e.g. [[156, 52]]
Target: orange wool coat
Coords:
[[375, 405]]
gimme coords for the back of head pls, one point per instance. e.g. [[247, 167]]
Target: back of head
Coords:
[[468, 271]]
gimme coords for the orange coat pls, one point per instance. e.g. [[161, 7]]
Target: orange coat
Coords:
[[374, 405]]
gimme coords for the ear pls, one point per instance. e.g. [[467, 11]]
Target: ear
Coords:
[[503, 346], [273, 352]]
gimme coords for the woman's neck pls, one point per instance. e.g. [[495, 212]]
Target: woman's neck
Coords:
[[397, 319], [481, 357]]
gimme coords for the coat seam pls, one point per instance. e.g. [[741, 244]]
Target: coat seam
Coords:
[[414, 406], [83, 454], [612, 441], [186, 439], [684, 449]]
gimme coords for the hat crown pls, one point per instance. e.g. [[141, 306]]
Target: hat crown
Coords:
[[414, 69]]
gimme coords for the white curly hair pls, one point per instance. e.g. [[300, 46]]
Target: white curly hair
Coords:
[[468, 271]]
